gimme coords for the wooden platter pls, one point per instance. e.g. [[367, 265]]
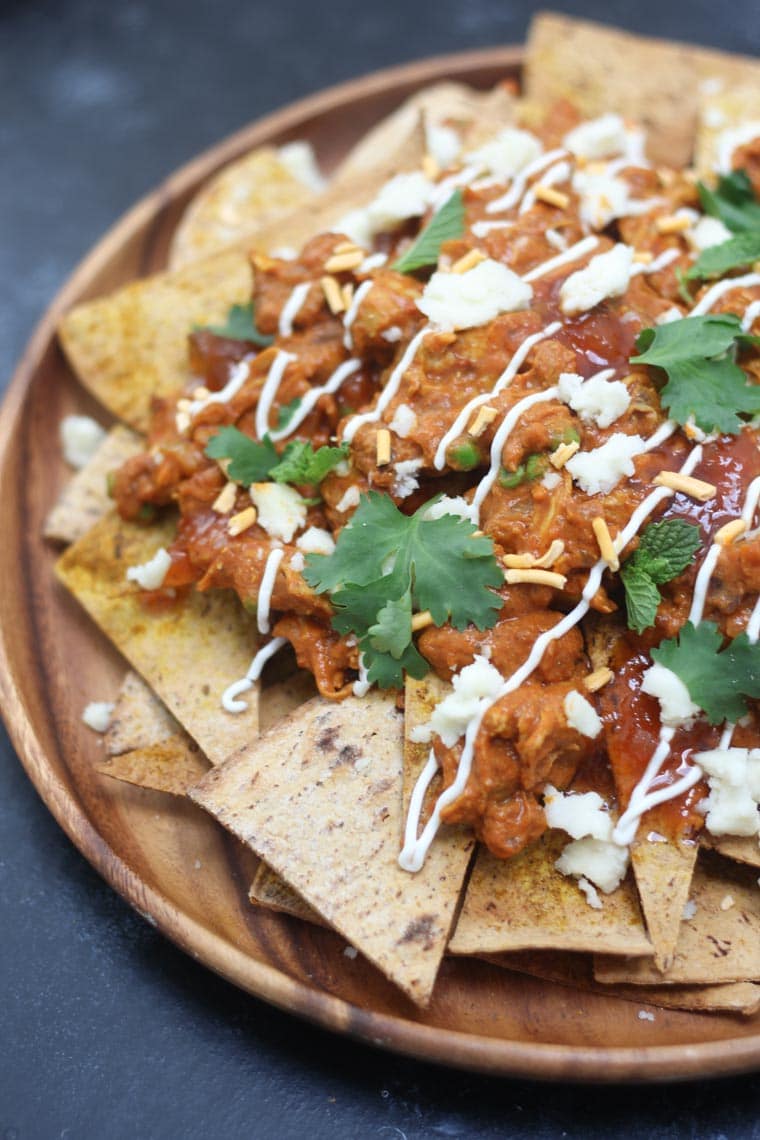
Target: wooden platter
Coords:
[[164, 856]]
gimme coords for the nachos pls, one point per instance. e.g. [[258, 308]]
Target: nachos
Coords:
[[482, 450]]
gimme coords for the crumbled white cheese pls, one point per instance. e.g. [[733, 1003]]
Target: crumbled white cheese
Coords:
[[604, 197], [449, 505], [392, 335], [316, 540], [299, 159], [606, 275], [706, 233], [281, 510], [603, 863], [551, 480], [591, 893], [443, 143], [676, 706], [730, 140], [508, 153], [467, 300], [97, 715], [597, 398], [733, 776], [689, 910], [349, 500], [356, 226], [581, 715], [406, 481], [404, 196], [404, 421], [598, 138], [80, 437], [656, 837], [350, 952], [645, 1015], [598, 471], [452, 715], [580, 814], [297, 562], [150, 575], [285, 252]]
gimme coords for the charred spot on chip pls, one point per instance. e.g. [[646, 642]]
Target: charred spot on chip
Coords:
[[420, 930]]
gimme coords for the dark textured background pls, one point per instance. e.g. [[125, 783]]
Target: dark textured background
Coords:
[[105, 1029]]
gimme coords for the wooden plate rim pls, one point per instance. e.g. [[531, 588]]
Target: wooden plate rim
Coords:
[[447, 1046]]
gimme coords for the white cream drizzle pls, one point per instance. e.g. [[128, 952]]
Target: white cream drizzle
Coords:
[[415, 847], [520, 182], [390, 389], [363, 685], [751, 313], [292, 307], [662, 262], [264, 601], [483, 229], [719, 289], [572, 253], [269, 390], [556, 174], [230, 695], [507, 376], [352, 311], [442, 190], [239, 373], [339, 376]]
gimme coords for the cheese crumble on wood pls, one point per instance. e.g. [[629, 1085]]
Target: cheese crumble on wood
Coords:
[[81, 437], [97, 715]]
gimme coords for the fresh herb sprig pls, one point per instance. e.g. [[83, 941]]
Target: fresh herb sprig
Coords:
[[240, 325], [718, 679], [254, 461], [733, 202], [445, 225], [665, 549]]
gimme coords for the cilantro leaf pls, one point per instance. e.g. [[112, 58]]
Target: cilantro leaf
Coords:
[[240, 325], [251, 460], [703, 381], [664, 550], [718, 679], [300, 463], [733, 201], [388, 672], [258, 462], [445, 224], [386, 564], [732, 254]]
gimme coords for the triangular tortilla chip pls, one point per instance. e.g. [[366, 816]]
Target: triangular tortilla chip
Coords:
[[243, 197], [598, 69], [280, 698], [663, 877], [742, 848], [719, 943], [188, 653], [270, 890], [576, 970], [132, 345], [319, 799], [524, 903], [723, 106], [139, 718], [85, 497]]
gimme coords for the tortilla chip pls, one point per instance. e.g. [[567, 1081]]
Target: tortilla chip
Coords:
[[129, 346], [139, 718], [319, 799], [720, 943], [524, 903], [241, 198], [279, 699], [663, 874], [721, 108], [85, 497], [188, 654], [270, 890], [742, 848], [654, 82], [576, 971]]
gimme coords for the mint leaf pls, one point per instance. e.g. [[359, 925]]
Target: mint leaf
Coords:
[[251, 460], [300, 463], [445, 225], [664, 550], [703, 380], [240, 325], [387, 564], [641, 598], [733, 201], [732, 254], [718, 679]]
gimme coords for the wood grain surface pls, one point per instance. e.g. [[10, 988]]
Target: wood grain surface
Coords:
[[162, 854]]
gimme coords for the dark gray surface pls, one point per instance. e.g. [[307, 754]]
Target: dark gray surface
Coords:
[[106, 1029]]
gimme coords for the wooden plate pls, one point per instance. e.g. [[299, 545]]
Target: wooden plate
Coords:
[[167, 859]]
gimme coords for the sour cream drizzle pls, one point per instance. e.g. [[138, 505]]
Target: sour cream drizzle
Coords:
[[238, 375], [560, 172], [643, 797], [229, 697], [509, 373], [415, 848], [719, 289], [572, 253], [264, 601], [353, 309], [292, 307], [390, 389], [269, 391], [341, 374], [661, 262], [517, 189]]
